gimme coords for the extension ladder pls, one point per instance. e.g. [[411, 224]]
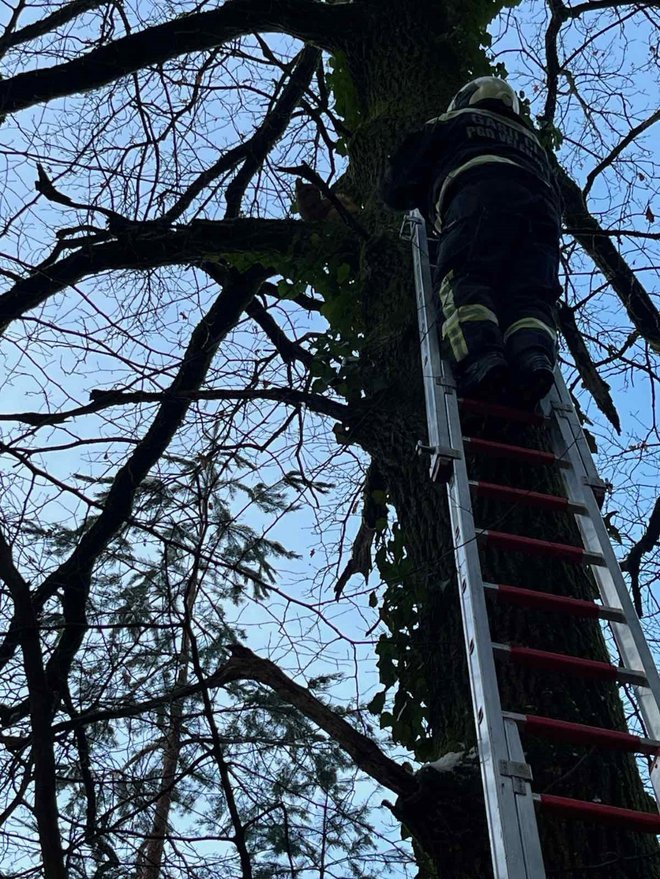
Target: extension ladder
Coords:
[[510, 803]]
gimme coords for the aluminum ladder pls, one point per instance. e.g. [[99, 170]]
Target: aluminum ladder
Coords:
[[511, 805]]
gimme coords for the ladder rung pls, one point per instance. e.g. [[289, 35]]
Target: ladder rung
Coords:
[[522, 496], [516, 453], [576, 607], [646, 822], [564, 551], [581, 734], [562, 662], [507, 413]]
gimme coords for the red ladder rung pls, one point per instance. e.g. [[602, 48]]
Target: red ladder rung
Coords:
[[577, 607], [516, 453], [523, 496], [507, 413], [564, 551], [563, 662], [581, 734], [646, 822]]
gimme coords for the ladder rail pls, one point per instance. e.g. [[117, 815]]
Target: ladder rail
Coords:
[[508, 845], [437, 379], [527, 823], [515, 847], [560, 401], [629, 637]]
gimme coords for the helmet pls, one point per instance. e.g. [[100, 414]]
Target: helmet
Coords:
[[485, 88]]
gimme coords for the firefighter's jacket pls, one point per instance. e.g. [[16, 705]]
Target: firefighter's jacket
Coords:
[[431, 164], [484, 181]]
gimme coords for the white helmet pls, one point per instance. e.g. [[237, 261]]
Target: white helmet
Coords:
[[485, 88]]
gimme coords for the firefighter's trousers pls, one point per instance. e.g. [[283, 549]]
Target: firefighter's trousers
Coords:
[[497, 264]]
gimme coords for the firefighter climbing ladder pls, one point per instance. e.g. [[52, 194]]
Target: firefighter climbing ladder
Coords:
[[510, 803]]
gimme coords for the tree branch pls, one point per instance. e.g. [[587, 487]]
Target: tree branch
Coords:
[[321, 24], [618, 149], [596, 5], [288, 350], [26, 632], [245, 665], [558, 16], [637, 302], [257, 147], [272, 128], [592, 381], [48, 23], [73, 576], [149, 245], [645, 544], [104, 399], [613, 233]]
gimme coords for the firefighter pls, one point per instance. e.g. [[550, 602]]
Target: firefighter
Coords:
[[483, 181]]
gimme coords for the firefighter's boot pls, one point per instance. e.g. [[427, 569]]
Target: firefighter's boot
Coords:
[[534, 375], [485, 378]]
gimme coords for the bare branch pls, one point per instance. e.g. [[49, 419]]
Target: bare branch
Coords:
[[559, 14], [72, 577], [613, 233], [104, 399], [597, 387], [637, 302], [48, 23], [645, 544], [257, 147], [618, 149], [597, 5], [318, 23], [272, 129], [26, 632], [288, 350], [149, 245]]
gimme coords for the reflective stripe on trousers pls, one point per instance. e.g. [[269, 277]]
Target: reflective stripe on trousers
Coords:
[[452, 331], [530, 323]]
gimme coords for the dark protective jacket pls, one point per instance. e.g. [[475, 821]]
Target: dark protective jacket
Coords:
[[484, 181], [430, 164]]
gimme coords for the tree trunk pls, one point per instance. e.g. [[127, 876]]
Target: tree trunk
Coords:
[[405, 66]]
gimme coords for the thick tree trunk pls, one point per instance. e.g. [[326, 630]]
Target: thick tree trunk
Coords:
[[405, 66]]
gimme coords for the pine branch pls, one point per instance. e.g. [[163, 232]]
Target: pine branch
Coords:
[[244, 665]]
